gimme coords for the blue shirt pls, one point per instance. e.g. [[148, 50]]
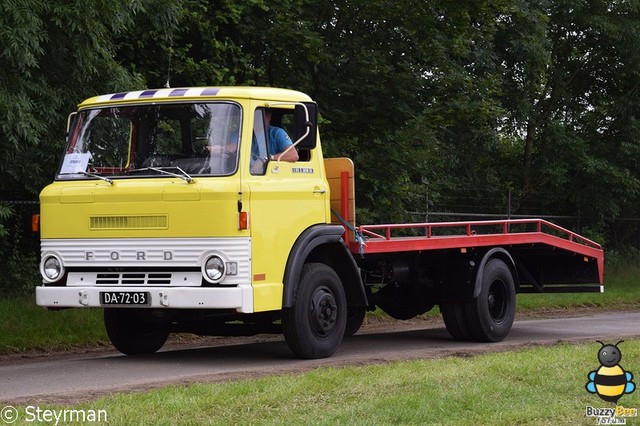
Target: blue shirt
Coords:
[[279, 140]]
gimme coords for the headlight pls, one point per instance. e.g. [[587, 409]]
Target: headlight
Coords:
[[51, 268], [214, 269]]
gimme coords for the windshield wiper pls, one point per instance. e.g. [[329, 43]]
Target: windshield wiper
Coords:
[[184, 175], [106, 179]]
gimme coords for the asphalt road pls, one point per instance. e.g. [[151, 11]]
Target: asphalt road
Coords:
[[84, 377]]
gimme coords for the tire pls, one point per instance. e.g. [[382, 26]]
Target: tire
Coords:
[[453, 314], [490, 316], [355, 318], [314, 326], [133, 334]]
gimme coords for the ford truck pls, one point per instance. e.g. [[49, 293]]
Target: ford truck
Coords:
[[169, 213]]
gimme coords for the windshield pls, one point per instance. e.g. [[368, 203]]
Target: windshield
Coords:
[[192, 139]]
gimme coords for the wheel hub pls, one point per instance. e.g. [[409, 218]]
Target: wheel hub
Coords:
[[324, 311]]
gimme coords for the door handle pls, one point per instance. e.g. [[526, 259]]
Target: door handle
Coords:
[[319, 190]]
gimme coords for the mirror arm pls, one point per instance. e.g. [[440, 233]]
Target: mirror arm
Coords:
[[70, 118], [295, 143]]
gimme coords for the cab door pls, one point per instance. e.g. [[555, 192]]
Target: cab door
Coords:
[[285, 199]]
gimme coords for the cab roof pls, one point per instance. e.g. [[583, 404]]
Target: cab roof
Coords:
[[196, 93]]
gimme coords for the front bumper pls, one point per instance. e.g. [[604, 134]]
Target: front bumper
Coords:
[[239, 298]]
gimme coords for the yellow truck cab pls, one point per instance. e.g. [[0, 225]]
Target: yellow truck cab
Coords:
[[212, 211], [170, 212]]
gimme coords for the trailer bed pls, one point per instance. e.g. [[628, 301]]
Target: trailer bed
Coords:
[[562, 251], [533, 234]]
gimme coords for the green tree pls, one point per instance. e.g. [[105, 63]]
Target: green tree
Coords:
[[52, 55], [570, 96], [194, 42], [471, 98]]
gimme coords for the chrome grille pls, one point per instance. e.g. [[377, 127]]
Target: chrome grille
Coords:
[[135, 278]]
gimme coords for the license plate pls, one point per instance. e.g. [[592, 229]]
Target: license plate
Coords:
[[125, 298]]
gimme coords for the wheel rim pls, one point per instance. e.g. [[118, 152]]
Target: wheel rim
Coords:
[[497, 301], [323, 312]]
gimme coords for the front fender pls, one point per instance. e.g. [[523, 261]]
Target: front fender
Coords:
[[324, 243]]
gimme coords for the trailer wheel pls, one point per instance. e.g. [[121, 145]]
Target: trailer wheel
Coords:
[[314, 326], [453, 314], [355, 318], [490, 316], [131, 333]]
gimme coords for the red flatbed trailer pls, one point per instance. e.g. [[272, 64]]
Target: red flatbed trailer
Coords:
[[473, 234], [471, 270], [536, 237]]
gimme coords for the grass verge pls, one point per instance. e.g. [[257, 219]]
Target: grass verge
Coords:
[[25, 326], [544, 385]]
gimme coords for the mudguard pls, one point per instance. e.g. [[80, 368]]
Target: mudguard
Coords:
[[323, 243], [499, 253]]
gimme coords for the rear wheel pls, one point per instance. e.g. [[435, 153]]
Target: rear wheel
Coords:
[[133, 332], [453, 314], [490, 316], [355, 318], [314, 326]]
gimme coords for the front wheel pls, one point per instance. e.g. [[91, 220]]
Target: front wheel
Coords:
[[314, 326], [490, 316], [132, 332]]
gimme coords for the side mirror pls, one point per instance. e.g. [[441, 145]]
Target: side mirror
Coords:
[[305, 119]]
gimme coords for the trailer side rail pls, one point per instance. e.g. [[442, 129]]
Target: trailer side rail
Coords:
[[442, 235], [388, 238], [474, 228]]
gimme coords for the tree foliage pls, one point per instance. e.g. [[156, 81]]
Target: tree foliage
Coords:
[[466, 100], [569, 100], [53, 54]]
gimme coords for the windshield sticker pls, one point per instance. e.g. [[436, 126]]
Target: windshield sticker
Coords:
[[75, 163]]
